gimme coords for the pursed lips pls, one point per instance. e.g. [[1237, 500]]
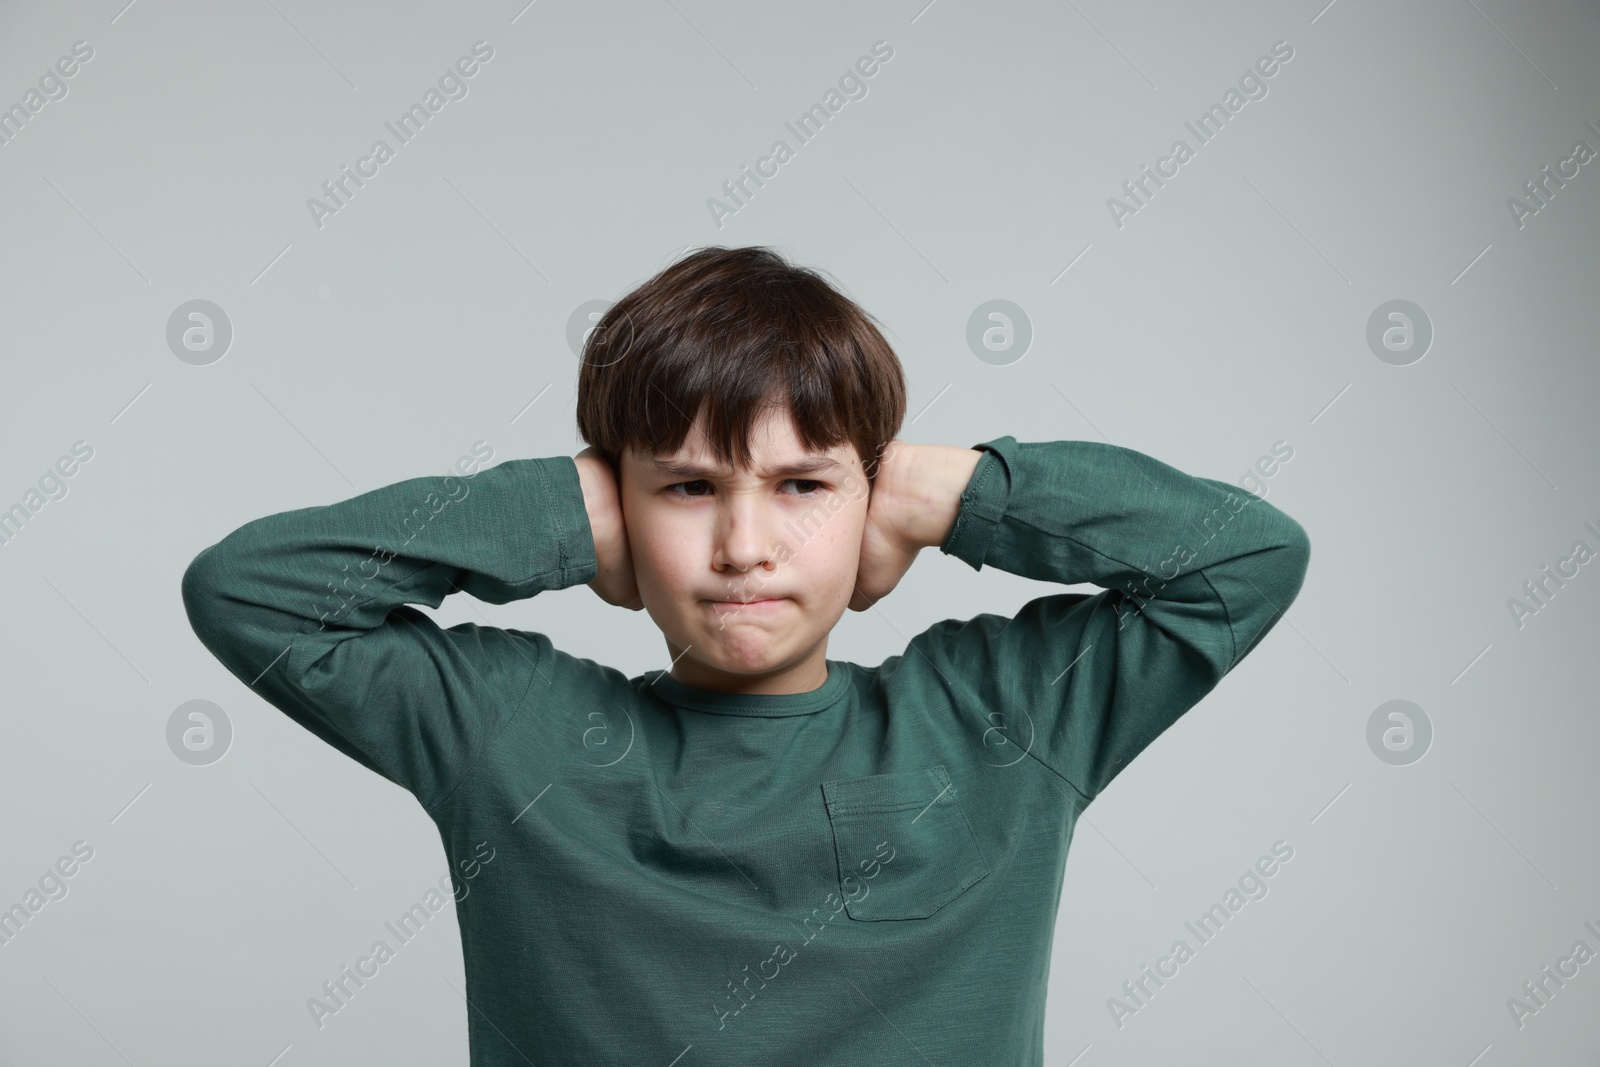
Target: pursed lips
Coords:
[[764, 604]]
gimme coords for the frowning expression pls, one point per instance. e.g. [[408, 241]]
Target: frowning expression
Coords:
[[746, 570]]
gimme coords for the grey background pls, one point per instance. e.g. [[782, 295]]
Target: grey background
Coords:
[[1229, 314]]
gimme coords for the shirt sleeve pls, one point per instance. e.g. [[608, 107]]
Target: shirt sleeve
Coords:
[[1193, 573], [309, 609]]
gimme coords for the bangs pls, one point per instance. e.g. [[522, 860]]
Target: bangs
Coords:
[[729, 335]]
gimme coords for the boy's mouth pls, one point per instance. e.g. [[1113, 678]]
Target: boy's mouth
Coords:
[[765, 604]]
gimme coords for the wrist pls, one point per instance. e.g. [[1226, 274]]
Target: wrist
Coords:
[[927, 490]]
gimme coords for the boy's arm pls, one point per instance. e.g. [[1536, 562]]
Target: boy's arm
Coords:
[[1194, 572], [308, 608]]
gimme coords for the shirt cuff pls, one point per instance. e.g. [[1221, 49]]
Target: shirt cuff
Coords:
[[983, 503], [569, 527]]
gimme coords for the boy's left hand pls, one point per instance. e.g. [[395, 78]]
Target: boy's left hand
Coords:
[[916, 496], [886, 552]]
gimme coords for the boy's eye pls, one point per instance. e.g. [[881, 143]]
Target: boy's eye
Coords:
[[809, 487]]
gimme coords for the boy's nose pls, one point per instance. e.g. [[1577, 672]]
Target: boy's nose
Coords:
[[745, 536]]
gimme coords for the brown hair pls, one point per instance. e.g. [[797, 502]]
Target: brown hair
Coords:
[[735, 332]]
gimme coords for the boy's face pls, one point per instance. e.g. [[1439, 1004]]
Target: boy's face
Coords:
[[745, 571]]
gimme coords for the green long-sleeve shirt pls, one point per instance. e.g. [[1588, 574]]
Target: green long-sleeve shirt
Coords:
[[865, 873]]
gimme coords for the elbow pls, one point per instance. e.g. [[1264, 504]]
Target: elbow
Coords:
[[201, 590], [1260, 593], [1276, 574], [1295, 553]]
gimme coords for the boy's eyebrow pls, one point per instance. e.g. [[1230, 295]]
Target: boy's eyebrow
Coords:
[[811, 465]]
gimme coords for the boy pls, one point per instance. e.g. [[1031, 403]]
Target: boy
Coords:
[[758, 854]]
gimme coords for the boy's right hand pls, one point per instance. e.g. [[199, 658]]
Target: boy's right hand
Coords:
[[614, 580]]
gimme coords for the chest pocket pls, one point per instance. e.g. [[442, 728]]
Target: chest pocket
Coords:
[[903, 843]]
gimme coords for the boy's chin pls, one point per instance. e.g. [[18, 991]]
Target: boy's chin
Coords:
[[742, 655], [745, 660]]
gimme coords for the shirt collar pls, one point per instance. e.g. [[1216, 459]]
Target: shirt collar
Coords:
[[764, 705]]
